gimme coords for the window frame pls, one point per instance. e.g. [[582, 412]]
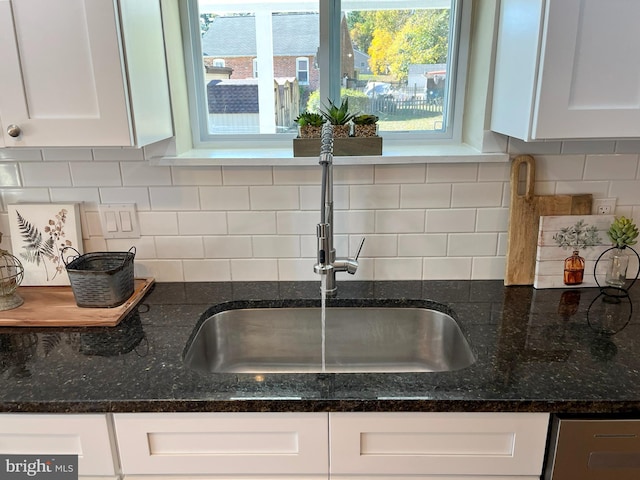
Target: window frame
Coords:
[[459, 43], [306, 71]]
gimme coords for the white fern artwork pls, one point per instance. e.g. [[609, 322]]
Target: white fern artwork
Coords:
[[39, 234]]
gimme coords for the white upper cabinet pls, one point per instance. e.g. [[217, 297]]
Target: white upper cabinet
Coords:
[[567, 69], [82, 73]]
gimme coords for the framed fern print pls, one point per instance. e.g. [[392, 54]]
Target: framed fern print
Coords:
[[38, 233]]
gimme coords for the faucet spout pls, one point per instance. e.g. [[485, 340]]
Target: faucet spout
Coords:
[[327, 263]]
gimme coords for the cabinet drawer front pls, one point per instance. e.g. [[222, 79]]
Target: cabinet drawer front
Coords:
[[437, 443], [223, 443], [84, 435]]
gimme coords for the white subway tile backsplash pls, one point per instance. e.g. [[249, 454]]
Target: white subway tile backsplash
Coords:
[[517, 147], [492, 172], [158, 223], [196, 175], [472, 244], [451, 172], [297, 269], [454, 220], [488, 268], [118, 154], [206, 270], [295, 175], [364, 197], [179, 247], [254, 270], [94, 244], [224, 198], [21, 154], [374, 245], [559, 167], [415, 173], [174, 198], [400, 221], [50, 174], [137, 195], [611, 167], [247, 175], [274, 198], [398, 268], [352, 221], [67, 154], [145, 247], [503, 241], [24, 195], [353, 174], [224, 246], [487, 194], [297, 223], [93, 225], [251, 223], [308, 246], [598, 189], [492, 219], [143, 173], [588, 146], [95, 174], [451, 268], [627, 192], [9, 175], [276, 246], [425, 195], [422, 245], [310, 197], [202, 223], [89, 196], [628, 146], [160, 270]]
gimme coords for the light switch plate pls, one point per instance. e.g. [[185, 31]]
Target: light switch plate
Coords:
[[119, 220]]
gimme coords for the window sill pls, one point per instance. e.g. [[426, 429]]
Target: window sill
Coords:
[[282, 155]]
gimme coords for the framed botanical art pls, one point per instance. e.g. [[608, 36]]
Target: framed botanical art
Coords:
[[39, 233]]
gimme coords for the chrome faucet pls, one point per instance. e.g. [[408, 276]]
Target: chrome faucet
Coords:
[[328, 264]]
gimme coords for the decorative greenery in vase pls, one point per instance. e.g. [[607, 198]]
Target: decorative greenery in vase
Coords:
[[578, 236], [623, 233]]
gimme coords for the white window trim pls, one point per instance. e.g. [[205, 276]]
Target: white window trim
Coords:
[[483, 145]]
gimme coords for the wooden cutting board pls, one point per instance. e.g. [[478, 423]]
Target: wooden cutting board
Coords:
[[56, 307], [524, 219]]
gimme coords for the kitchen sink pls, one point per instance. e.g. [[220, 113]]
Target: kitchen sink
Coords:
[[358, 339]]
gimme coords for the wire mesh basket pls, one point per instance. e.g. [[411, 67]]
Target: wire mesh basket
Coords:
[[100, 279]]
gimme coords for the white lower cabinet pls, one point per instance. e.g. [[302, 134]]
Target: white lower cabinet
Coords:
[[342, 446], [267, 445], [42, 434]]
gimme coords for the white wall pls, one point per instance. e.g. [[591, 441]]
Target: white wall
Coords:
[[422, 221]]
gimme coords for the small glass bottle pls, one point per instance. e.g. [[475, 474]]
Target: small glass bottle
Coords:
[[617, 270], [573, 269]]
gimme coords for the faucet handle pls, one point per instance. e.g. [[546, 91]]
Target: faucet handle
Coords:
[[360, 248]]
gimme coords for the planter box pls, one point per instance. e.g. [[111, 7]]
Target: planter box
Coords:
[[310, 147]]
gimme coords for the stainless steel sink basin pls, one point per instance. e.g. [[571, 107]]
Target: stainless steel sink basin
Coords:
[[354, 339]]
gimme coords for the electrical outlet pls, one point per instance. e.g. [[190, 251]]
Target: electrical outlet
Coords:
[[603, 206]]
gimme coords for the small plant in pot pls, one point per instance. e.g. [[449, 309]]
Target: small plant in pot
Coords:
[[623, 233], [310, 124], [365, 125], [339, 117]]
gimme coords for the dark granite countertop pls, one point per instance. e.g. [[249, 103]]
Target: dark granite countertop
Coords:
[[537, 350]]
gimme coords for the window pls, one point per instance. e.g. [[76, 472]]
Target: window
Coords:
[[397, 60], [302, 70], [218, 62]]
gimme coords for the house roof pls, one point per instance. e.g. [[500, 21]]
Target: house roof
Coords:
[[294, 34]]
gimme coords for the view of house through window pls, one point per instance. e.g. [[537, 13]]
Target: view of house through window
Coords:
[[262, 71]]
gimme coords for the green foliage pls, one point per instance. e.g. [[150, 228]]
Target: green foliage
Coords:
[[337, 115], [309, 118], [365, 119], [358, 101], [577, 236], [623, 232]]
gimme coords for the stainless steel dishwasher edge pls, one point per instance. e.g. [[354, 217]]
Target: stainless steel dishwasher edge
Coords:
[[593, 449]]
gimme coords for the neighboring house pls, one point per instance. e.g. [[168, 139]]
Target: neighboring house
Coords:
[[426, 76], [231, 42], [361, 62]]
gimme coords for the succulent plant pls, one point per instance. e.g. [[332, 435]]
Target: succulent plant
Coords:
[[623, 232], [337, 115], [309, 118], [365, 119]]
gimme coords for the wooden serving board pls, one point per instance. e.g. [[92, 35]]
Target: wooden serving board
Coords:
[[56, 307], [524, 220]]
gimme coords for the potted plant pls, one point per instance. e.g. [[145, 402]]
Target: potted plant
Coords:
[[365, 125], [623, 233], [309, 124], [339, 117]]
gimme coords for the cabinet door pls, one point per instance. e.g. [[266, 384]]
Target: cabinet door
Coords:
[[253, 444], [590, 80], [395, 444], [61, 80], [84, 435]]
